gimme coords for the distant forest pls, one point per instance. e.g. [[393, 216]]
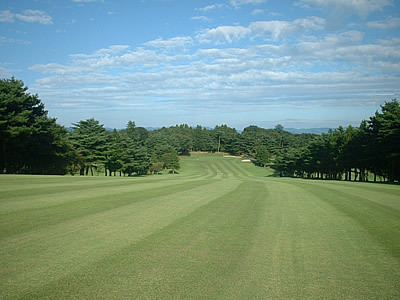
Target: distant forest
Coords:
[[33, 143]]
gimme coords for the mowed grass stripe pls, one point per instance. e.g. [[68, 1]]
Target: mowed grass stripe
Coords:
[[194, 257], [194, 167], [47, 196], [230, 169], [225, 169], [305, 248], [383, 194], [53, 251], [69, 205], [382, 222], [36, 184], [236, 166]]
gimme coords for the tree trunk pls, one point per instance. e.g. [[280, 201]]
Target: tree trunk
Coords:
[[5, 157], [362, 175]]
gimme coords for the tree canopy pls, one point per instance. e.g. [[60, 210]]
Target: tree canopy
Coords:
[[373, 147], [31, 142]]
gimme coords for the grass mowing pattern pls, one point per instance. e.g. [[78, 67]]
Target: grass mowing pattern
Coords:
[[219, 229]]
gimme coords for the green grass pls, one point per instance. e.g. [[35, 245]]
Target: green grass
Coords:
[[221, 228]]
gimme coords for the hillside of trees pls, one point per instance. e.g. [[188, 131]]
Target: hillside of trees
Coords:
[[33, 143]]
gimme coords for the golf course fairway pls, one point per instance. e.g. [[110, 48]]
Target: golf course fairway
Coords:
[[220, 229]]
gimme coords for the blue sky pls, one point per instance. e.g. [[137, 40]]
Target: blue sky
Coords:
[[303, 63]]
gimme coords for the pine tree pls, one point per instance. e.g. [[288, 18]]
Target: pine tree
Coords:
[[30, 141], [89, 138]]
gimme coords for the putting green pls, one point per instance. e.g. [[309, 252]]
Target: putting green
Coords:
[[221, 228]]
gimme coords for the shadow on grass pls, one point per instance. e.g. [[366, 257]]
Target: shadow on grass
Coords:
[[276, 173]]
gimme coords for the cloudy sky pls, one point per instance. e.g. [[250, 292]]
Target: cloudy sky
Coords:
[[303, 63]]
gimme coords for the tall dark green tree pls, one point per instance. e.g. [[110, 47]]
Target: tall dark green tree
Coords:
[[203, 139], [89, 138], [171, 161], [115, 153], [262, 156], [30, 141], [136, 155], [19, 110], [226, 138], [156, 165], [385, 129], [139, 161]]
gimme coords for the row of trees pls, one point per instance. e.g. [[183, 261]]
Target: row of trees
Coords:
[[33, 143], [363, 153], [127, 151], [136, 150]]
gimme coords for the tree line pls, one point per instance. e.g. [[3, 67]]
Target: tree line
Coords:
[[33, 143], [365, 153]]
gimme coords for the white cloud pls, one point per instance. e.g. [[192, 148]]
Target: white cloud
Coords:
[[223, 34], [28, 15], [257, 11], [6, 16], [372, 54], [219, 77], [237, 3], [275, 29], [113, 49], [4, 40], [278, 28], [211, 7], [103, 60], [33, 16], [176, 42], [389, 23], [52, 69], [360, 7], [382, 57], [392, 42], [200, 18]]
